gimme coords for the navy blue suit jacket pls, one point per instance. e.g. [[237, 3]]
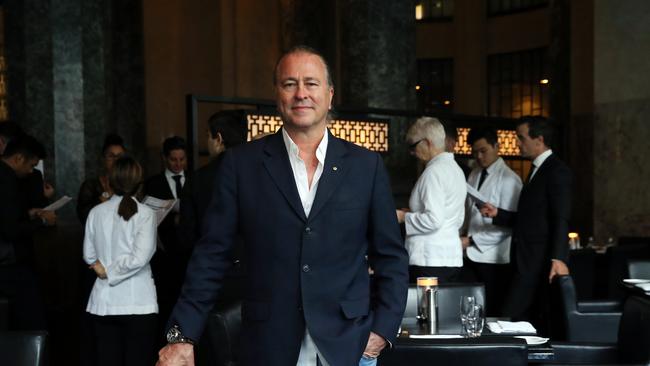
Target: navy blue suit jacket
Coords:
[[302, 271]]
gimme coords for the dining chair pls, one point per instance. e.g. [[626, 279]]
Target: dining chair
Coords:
[[4, 313], [448, 300], [639, 269], [588, 321], [219, 344]]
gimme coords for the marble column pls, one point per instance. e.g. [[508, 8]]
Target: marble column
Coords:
[[378, 70], [75, 70], [622, 107]]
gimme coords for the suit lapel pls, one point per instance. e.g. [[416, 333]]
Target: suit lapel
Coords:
[[541, 172], [277, 164], [334, 171]]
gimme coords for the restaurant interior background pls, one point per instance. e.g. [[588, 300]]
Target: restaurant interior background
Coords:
[[73, 70]]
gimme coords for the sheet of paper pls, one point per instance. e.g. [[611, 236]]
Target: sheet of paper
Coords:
[[161, 207], [476, 196], [58, 204]]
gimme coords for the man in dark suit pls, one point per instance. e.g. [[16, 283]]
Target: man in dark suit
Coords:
[[315, 212], [226, 129], [170, 262], [539, 250], [17, 225]]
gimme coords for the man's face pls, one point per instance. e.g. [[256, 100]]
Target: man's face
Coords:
[[484, 153], [176, 161], [24, 166], [528, 147], [303, 95]]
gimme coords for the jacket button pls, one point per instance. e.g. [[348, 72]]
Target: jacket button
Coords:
[[300, 309], [305, 268], [308, 230]]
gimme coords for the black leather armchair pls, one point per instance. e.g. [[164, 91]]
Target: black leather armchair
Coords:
[[634, 333], [639, 269], [220, 342], [23, 348], [589, 321], [476, 352], [632, 346], [448, 300], [4, 313]]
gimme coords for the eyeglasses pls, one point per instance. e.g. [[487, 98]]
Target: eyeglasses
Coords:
[[415, 144]]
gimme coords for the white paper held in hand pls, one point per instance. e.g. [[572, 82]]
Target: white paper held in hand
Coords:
[[160, 207], [58, 204], [476, 196]]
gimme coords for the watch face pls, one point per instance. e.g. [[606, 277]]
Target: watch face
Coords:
[[173, 334]]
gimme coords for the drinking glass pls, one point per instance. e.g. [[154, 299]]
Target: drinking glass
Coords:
[[466, 306], [475, 322]]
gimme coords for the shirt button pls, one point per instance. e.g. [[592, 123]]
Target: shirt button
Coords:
[[305, 268]]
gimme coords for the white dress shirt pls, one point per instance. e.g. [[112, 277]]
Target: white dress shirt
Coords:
[[125, 249], [308, 349], [538, 161], [501, 188], [172, 183], [437, 207]]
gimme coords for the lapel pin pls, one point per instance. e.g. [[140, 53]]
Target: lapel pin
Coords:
[[335, 168]]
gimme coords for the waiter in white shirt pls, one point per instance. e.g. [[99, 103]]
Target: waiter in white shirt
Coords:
[[487, 246]]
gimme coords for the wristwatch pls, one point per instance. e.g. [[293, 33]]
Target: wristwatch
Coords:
[[174, 335]]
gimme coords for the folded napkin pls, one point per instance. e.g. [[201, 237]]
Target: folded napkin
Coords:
[[532, 340], [644, 286], [434, 336], [511, 327]]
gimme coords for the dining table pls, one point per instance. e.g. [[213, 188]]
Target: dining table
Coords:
[[414, 333]]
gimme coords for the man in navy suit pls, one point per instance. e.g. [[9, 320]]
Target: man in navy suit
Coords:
[[315, 212], [539, 249]]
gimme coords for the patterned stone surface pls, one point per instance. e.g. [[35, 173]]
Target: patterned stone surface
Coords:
[[75, 70]]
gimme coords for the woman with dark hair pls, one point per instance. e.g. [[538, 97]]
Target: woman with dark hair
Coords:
[[120, 239], [96, 190]]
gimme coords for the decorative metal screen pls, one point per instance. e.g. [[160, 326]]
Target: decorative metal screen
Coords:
[[507, 142], [372, 135]]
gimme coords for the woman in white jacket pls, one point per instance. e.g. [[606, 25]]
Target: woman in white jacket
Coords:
[[436, 206], [119, 242]]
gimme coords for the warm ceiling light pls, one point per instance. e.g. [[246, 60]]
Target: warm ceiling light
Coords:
[[573, 235], [418, 11], [543, 81], [417, 87], [447, 102]]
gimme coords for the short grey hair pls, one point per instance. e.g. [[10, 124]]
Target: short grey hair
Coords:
[[429, 128], [307, 50]]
